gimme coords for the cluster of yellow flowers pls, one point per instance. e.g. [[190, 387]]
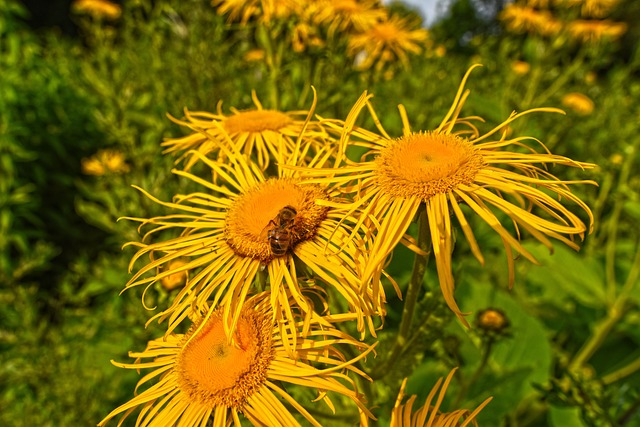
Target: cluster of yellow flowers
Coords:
[[287, 222], [288, 239], [587, 25], [373, 37]]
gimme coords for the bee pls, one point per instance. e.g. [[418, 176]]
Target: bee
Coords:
[[280, 233]]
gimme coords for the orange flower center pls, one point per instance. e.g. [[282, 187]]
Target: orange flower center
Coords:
[[256, 121], [254, 218], [427, 163], [217, 372]]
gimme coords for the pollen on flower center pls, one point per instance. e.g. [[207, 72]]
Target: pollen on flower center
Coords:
[[425, 164], [218, 373], [256, 121], [254, 213]]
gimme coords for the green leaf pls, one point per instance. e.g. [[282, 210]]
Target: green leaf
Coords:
[[566, 274]]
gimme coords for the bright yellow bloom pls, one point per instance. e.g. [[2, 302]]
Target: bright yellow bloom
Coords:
[[449, 174], [98, 8], [592, 8], [260, 133], [264, 10], [386, 41], [429, 415], [203, 374], [592, 31], [345, 16], [104, 162], [228, 236], [520, 67], [523, 19], [579, 103]]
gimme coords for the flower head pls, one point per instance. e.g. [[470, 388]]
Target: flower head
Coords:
[[593, 30], [245, 232], [265, 11], [203, 375], [429, 414], [386, 41], [97, 8], [449, 173], [107, 161], [578, 102], [346, 16], [524, 19], [260, 133]]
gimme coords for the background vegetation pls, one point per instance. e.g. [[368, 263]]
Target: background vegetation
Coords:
[[570, 354]]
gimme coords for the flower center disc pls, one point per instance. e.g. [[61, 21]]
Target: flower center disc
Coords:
[[256, 121], [427, 163], [215, 372], [254, 213]]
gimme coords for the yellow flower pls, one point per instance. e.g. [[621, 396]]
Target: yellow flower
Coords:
[[523, 19], [579, 103], [260, 132], [97, 8], [449, 174], [234, 233], [104, 162], [265, 10], [203, 374], [429, 415], [178, 276], [254, 55], [388, 40], [346, 16], [592, 8], [591, 31], [520, 67]]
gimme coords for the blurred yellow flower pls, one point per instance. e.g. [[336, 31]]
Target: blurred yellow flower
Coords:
[[429, 414], [264, 10], [346, 16], [592, 8], [523, 19], [591, 31], [97, 8], [304, 36], [260, 133], [204, 376], [386, 41], [520, 67], [179, 274], [579, 103], [254, 55], [449, 174], [105, 162], [441, 51]]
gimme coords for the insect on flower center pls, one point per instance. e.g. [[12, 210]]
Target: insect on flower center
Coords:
[[216, 372], [427, 163], [256, 121], [272, 218]]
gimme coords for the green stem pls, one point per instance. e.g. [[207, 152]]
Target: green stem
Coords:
[[411, 297], [488, 346], [621, 373]]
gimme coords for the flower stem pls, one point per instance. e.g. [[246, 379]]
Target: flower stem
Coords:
[[411, 297]]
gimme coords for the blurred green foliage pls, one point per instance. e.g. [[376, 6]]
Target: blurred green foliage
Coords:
[[573, 340]]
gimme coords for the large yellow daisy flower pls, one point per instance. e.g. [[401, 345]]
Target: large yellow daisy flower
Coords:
[[386, 41], [202, 376], [450, 174], [246, 231], [264, 10], [429, 414], [260, 133]]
